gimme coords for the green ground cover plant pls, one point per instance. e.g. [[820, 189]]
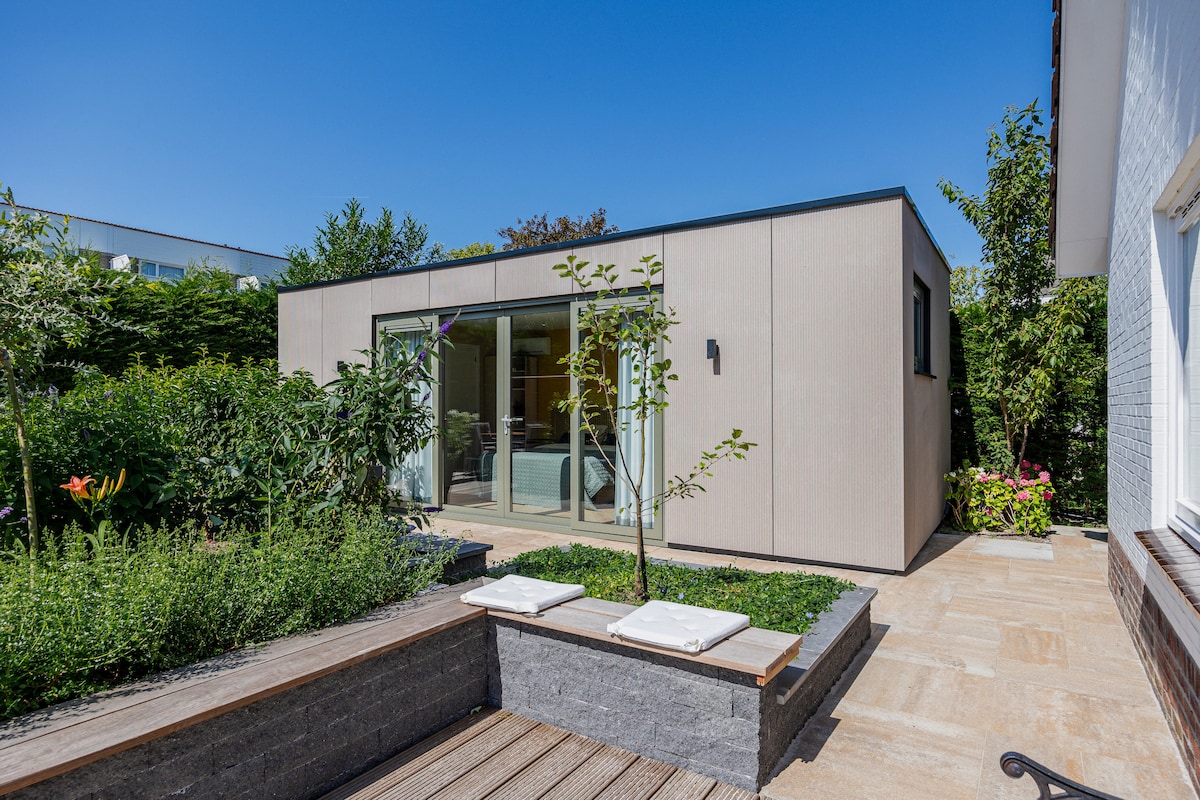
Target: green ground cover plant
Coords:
[[780, 601], [96, 613]]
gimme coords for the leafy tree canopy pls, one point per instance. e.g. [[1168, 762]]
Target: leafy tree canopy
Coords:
[[471, 250], [1033, 327], [348, 245], [538, 230]]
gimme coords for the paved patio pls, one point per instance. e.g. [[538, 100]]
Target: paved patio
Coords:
[[985, 645]]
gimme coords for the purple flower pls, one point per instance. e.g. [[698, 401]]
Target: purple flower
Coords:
[[108, 395], [421, 355], [4, 512], [445, 328], [425, 398]]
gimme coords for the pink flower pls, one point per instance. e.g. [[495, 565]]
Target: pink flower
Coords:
[[1025, 476], [1047, 495], [983, 478], [1044, 476], [1023, 495], [989, 511], [1024, 465], [1010, 481], [1037, 467]]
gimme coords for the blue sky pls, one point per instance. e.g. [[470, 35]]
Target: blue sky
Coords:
[[243, 123]]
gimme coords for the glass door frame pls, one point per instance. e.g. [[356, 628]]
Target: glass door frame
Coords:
[[424, 324], [503, 513]]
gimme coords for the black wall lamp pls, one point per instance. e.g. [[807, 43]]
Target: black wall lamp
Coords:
[[713, 350]]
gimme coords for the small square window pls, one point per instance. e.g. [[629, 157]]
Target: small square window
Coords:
[[922, 362]]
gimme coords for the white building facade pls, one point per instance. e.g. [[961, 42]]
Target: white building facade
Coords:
[[160, 256], [1127, 202]]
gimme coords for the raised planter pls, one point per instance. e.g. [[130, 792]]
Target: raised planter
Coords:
[[300, 716], [468, 560], [728, 713]]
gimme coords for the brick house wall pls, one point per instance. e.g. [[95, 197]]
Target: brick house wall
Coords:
[[1159, 117]]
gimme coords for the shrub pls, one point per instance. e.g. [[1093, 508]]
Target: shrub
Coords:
[[782, 601], [984, 500], [171, 323], [95, 614]]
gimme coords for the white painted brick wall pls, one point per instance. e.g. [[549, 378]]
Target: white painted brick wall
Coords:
[[1160, 116]]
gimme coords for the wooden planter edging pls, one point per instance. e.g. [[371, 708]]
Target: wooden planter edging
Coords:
[[294, 718], [298, 717]]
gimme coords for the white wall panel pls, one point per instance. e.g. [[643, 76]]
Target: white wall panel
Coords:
[[347, 326], [625, 254], [531, 277], [838, 392], [469, 284], [926, 400], [720, 286], [300, 331], [400, 291]]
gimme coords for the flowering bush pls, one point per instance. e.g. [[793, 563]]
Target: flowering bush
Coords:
[[984, 500]]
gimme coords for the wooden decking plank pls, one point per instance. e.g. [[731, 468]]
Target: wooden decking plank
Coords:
[[504, 764], [684, 785], [643, 778], [542, 775], [723, 791], [429, 781], [593, 776], [420, 755]]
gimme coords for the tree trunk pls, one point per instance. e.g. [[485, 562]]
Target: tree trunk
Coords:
[[26, 457], [639, 578]]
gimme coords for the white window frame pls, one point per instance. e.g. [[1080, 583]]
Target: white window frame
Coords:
[[1183, 511]]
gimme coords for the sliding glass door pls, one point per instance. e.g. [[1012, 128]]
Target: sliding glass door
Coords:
[[507, 450]]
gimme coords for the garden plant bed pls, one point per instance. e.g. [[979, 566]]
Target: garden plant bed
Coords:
[[300, 716], [778, 601]]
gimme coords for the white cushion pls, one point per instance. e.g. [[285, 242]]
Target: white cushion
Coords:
[[521, 595], [678, 627]]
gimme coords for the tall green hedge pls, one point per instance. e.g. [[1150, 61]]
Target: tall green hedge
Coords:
[[1072, 439], [176, 322]]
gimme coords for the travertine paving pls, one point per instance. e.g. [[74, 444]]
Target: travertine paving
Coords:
[[985, 645]]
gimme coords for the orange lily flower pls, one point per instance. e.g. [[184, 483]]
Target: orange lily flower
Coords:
[[79, 486]]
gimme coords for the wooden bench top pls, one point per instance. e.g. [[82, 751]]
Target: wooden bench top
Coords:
[[756, 651], [46, 743]]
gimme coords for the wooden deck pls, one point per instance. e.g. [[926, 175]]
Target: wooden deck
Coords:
[[499, 755]]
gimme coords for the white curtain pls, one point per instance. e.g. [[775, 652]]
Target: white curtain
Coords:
[[629, 437], [414, 479]]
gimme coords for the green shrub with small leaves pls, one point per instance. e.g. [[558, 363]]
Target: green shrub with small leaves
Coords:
[[94, 614]]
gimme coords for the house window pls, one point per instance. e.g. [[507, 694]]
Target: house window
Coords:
[[160, 272], [922, 362], [1186, 413]]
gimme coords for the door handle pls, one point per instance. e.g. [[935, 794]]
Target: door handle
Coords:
[[507, 420]]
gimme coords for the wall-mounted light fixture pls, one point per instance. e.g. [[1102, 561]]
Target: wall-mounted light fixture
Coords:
[[342, 366], [713, 350]]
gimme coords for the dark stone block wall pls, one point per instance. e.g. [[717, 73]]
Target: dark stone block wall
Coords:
[[1173, 673], [717, 722], [305, 741]]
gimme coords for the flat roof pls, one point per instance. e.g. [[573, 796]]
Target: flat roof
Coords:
[[152, 233], [741, 216]]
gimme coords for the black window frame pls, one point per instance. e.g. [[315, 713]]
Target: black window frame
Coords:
[[922, 350]]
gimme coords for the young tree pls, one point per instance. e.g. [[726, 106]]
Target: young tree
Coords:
[[1032, 325], [46, 296], [348, 245], [634, 327], [538, 231]]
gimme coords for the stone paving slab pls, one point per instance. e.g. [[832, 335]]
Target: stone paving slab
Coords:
[[984, 645]]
